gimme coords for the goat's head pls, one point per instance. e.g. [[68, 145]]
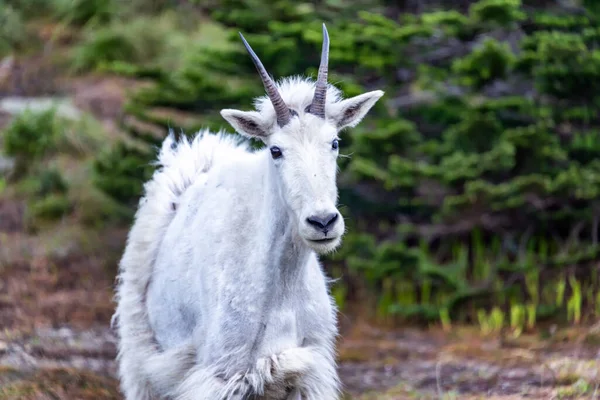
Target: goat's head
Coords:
[[299, 122]]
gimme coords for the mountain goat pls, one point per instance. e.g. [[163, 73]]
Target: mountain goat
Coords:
[[220, 292]]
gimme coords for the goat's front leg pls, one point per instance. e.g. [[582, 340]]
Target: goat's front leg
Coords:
[[311, 369], [295, 395], [199, 384]]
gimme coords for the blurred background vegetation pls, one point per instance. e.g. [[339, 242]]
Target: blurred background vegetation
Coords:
[[471, 190]]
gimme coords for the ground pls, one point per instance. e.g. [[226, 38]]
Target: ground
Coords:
[[56, 288], [56, 342]]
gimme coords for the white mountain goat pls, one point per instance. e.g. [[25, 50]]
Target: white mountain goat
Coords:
[[221, 294]]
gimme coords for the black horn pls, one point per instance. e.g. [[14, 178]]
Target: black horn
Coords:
[[317, 107], [281, 109]]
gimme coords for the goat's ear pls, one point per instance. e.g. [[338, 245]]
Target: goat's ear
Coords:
[[247, 123], [350, 112]]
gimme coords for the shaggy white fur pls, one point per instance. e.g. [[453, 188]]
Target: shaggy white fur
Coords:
[[220, 292]]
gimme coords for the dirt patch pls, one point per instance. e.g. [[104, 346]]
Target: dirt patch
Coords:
[[11, 216], [103, 97], [36, 75], [53, 292], [52, 282], [428, 363], [420, 365], [55, 311], [5, 119]]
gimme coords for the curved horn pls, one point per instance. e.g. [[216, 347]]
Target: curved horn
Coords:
[[317, 107], [281, 109]]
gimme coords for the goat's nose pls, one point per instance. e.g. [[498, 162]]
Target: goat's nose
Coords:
[[323, 222]]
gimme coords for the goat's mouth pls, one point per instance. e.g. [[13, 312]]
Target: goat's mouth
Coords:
[[323, 241], [323, 245]]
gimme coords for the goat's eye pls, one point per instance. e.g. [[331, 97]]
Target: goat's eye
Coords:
[[276, 152], [335, 144]]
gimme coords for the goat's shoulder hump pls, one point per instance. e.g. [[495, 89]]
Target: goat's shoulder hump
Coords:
[[205, 147]]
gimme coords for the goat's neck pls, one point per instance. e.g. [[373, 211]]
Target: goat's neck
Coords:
[[287, 254], [290, 253]]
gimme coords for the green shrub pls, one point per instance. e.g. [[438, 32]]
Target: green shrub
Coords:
[[29, 8], [451, 22], [43, 181], [144, 41], [51, 182], [133, 8], [80, 12], [502, 12], [492, 60], [121, 171], [566, 67], [104, 46], [50, 207], [13, 34], [48, 195], [95, 209], [30, 136]]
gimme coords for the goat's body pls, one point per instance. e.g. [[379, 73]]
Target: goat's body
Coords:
[[218, 298]]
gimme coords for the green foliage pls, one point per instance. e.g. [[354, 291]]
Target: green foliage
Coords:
[[250, 15], [102, 47], [566, 66], [502, 12], [80, 12], [30, 136], [48, 195], [121, 171], [43, 181], [148, 7], [136, 42], [49, 207], [50, 181], [28, 8], [491, 323], [34, 135], [12, 29], [491, 61]]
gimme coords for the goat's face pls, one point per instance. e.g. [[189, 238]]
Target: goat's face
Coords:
[[300, 127], [304, 154]]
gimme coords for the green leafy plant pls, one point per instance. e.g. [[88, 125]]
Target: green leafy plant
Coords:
[[30, 136], [13, 33], [492, 60], [80, 12]]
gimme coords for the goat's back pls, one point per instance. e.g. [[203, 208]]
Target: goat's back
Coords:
[[180, 163]]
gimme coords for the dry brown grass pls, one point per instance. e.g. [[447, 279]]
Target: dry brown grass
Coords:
[[61, 384], [64, 277]]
